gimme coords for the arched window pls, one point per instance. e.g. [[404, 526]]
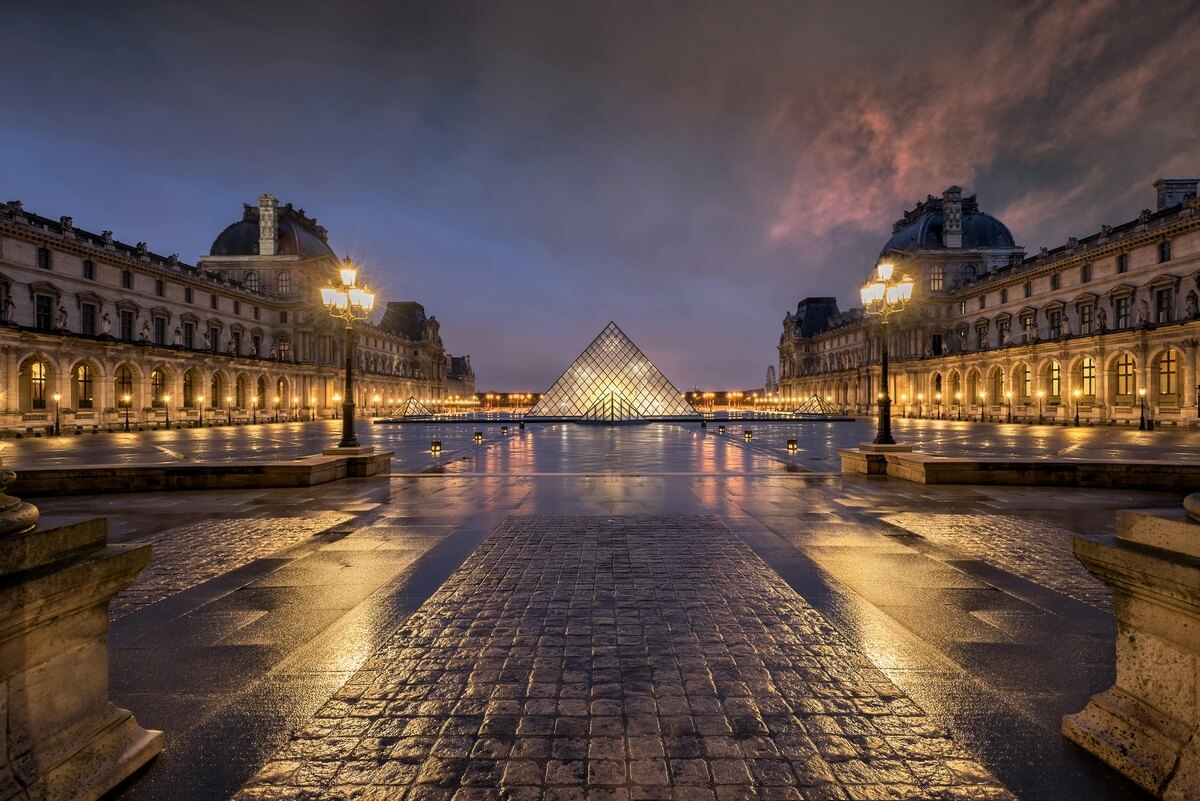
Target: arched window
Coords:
[[1087, 376], [37, 385], [158, 388], [937, 278], [1054, 380], [1024, 381], [251, 281], [262, 393], [83, 387], [1126, 381], [124, 385], [242, 391], [996, 385], [1168, 374], [283, 283], [189, 389]]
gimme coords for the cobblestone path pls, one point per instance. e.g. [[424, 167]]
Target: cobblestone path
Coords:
[[1031, 548], [619, 658], [189, 555]]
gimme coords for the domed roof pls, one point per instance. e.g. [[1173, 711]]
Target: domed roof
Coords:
[[241, 239], [921, 229]]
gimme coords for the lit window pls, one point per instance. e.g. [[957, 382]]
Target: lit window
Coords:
[[1054, 380], [1168, 374], [937, 278], [37, 385], [1125, 376], [252, 281], [1087, 376], [283, 283], [83, 387]]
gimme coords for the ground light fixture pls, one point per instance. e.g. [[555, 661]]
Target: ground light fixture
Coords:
[[882, 297], [435, 447], [349, 303], [478, 437], [791, 446], [747, 435], [720, 429]]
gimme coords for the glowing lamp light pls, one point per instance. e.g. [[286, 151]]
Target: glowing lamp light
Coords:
[[478, 437], [348, 274], [747, 435], [57, 397], [435, 447], [885, 270], [1141, 391], [1077, 392], [791, 446]]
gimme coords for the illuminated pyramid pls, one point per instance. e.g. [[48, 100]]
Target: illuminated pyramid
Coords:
[[612, 381], [412, 408], [815, 405]]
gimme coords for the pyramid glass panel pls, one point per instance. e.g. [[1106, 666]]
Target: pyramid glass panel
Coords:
[[612, 380]]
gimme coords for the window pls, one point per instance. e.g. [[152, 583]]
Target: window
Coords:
[[1122, 263], [1123, 306], [89, 269], [126, 279], [962, 307], [284, 350], [159, 289], [1168, 374], [87, 319], [962, 340], [1163, 306], [981, 332], [1054, 380], [214, 301], [187, 294], [1164, 251], [284, 283], [1054, 281], [1028, 289], [937, 278], [189, 389], [936, 345], [255, 312], [252, 281], [1024, 380], [1125, 376], [283, 317], [214, 339], [1087, 313], [237, 307], [1029, 327], [1054, 318], [1087, 376], [189, 335], [160, 330], [43, 258], [983, 301], [257, 340], [237, 342], [83, 387], [127, 325], [1004, 327], [124, 385], [43, 312], [158, 388], [1085, 272], [37, 385], [1004, 295]]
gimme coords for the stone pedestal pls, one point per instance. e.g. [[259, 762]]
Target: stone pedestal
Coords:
[[60, 736], [1147, 725], [869, 458]]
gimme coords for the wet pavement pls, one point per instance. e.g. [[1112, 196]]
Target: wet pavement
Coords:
[[961, 605]]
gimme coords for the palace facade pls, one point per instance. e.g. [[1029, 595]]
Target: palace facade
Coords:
[[1106, 325], [93, 330]]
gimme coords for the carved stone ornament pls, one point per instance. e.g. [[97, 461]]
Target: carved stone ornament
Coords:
[[67, 223]]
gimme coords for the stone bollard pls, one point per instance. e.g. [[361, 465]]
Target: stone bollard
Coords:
[[1147, 725], [61, 736]]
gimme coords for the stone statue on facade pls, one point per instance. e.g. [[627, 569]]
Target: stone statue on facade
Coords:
[[1143, 312], [274, 351], [1101, 320], [144, 336], [1193, 304], [105, 324], [106, 238], [177, 337], [253, 348], [67, 224], [10, 309], [60, 319], [207, 341]]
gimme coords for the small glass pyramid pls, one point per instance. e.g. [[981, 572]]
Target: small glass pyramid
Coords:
[[612, 381], [412, 408], [815, 405]]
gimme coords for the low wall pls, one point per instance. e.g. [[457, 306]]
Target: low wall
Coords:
[[1045, 472], [304, 472]]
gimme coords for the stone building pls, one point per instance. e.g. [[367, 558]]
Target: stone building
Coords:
[[1102, 324], [115, 329]]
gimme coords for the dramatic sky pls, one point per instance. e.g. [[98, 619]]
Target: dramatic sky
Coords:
[[531, 170]]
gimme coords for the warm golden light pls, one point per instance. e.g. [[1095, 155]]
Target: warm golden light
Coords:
[[885, 270], [1142, 391], [57, 397], [348, 274]]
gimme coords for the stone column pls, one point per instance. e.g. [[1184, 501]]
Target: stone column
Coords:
[[1147, 725], [62, 738]]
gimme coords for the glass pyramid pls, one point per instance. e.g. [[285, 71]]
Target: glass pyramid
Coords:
[[612, 381], [815, 405], [412, 408]]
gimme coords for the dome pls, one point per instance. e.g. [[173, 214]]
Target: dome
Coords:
[[924, 232], [241, 239]]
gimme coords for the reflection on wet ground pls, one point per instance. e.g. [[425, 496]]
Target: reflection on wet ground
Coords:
[[242, 633]]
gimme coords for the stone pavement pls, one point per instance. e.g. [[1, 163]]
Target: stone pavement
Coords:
[[619, 658]]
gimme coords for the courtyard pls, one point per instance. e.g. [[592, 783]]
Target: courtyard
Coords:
[[654, 611]]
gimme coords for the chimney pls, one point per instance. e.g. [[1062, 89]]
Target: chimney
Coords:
[[952, 217], [268, 232], [1173, 191]]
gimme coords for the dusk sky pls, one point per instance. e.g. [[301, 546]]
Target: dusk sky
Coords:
[[529, 171]]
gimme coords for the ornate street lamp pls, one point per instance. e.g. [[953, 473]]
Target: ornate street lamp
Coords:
[[938, 398], [920, 405], [337, 398], [957, 405], [254, 409], [228, 410], [882, 297], [166, 399], [1076, 393], [983, 406], [57, 398], [275, 419], [349, 302], [1008, 398], [200, 401], [1142, 404], [1041, 393], [125, 400]]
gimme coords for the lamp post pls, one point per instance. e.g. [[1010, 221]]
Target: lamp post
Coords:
[[882, 297], [904, 403], [312, 408], [1041, 393], [1008, 400], [1076, 393], [938, 399], [375, 399], [275, 418], [337, 398], [982, 406], [349, 302], [920, 404], [1142, 404], [228, 410], [125, 399], [200, 402], [57, 398], [254, 409], [958, 406], [166, 399]]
